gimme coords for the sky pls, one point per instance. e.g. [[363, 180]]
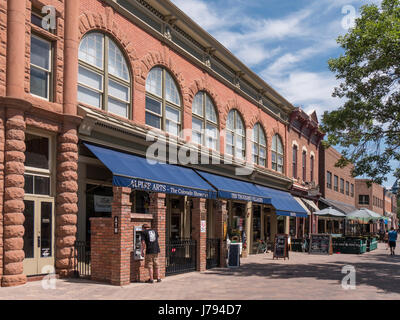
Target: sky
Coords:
[[286, 42]]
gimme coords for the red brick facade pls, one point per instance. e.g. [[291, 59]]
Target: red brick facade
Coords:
[[327, 161], [375, 194]]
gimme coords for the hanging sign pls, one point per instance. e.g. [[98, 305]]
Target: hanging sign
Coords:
[[115, 224]]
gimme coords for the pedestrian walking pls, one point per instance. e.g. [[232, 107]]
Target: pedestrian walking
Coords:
[[150, 239], [392, 240]]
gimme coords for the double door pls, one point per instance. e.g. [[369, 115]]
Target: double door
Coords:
[[39, 235]]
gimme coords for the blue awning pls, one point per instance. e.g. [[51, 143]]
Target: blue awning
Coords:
[[229, 188], [284, 203], [137, 173]]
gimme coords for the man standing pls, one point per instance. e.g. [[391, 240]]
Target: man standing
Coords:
[[150, 239], [392, 240]]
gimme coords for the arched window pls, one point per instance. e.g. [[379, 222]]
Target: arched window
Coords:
[[277, 154], [259, 146], [103, 77], [294, 163], [235, 135], [163, 102], [204, 121]]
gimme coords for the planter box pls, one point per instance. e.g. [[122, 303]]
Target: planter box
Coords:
[[349, 245]]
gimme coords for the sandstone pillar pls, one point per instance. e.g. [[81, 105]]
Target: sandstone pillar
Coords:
[[14, 198], [247, 229], [71, 45], [122, 237], [221, 217], [158, 210], [2, 142], [15, 48], [199, 216], [66, 201]]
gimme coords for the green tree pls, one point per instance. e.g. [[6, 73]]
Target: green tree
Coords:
[[367, 126]]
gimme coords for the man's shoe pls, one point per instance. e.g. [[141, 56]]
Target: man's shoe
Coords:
[[158, 280], [150, 281]]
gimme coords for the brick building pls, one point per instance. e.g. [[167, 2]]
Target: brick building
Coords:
[[337, 186], [303, 154], [77, 104]]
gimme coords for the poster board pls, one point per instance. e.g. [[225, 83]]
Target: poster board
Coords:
[[234, 255], [281, 246], [320, 244]]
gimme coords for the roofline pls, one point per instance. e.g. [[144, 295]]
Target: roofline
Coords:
[[196, 29]]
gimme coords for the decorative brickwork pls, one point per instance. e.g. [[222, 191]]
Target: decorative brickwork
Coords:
[[158, 210], [67, 188], [122, 240], [14, 199], [221, 218], [199, 213]]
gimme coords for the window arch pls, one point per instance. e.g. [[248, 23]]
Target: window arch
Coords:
[[277, 153], [235, 135], [259, 146], [204, 121], [103, 75], [163, 101]]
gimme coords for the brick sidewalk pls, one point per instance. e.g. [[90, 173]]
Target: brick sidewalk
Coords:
[[304, 276]]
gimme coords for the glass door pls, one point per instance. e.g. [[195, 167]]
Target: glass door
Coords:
[[39, 234]]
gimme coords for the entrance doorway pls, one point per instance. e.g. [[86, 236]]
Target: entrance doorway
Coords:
[[39, 235]]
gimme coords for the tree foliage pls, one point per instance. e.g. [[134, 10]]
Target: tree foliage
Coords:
[[367, 126]]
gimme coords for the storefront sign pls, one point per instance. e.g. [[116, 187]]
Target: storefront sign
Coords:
[[203, 226], [102, 203], [161, 187], [116, 225], [243, 197]]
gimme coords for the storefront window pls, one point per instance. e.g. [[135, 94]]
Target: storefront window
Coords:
[[237, 222], [140, 201], [292, 226], [281, 224], [256, 226]]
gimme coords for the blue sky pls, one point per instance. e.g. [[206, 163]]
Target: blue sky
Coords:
[[286, 42]]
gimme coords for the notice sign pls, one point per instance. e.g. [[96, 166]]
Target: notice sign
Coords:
[[203, 226], [281, 246], [234, 255], [321, 244], [102, 203]]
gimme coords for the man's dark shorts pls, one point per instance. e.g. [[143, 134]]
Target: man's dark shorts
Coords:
[[392, 244]]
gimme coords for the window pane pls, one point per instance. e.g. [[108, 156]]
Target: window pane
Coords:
[[198, 104], [116, 62], [91, 49], [172, 127], [263, 141], [89, 78], [229, 149], [263, 153], [153, 120], [273, 146], [118, 91], [171, 91], [39, 82], [42, 185], [255, 133], [197, 125], [240, 142], [172, 114], [239, 125], [153, 105], [118, 107], [262, 162], [211, 136], [29, 225], [210, 110], [37, 151], [154, 81], [279, 145], [28, 184], [229, 121], [255, 149], [89, 97], [239, 153], [36, 20], [196, 137], [40, 53], [229, 137], [45, 229]]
